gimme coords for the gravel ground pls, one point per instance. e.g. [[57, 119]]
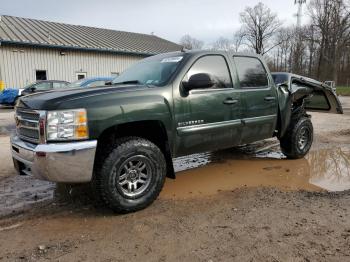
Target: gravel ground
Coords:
[[246, 204]]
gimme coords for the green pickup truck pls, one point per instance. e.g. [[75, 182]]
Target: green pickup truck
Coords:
[[122, 138]]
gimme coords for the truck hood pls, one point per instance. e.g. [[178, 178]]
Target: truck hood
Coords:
[[53, 99]]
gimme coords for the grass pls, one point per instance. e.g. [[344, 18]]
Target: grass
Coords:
[[343, 90]]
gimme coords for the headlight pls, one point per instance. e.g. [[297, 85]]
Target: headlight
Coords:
[[67, 125]]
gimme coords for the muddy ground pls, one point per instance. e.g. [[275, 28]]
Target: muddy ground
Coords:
[[242, 204]]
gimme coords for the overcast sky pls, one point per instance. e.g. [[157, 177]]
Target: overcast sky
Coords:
[[204, 19]]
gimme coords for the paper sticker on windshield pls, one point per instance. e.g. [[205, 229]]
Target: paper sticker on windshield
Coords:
[[174, 59]]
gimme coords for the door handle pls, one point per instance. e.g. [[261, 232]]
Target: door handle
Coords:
[[270, 98], [230, 101]]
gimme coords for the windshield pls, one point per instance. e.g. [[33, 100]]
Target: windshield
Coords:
[[29, 86], [155, 70], [76, 83]]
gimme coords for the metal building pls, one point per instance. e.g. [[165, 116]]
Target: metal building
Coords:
[[33, 50]]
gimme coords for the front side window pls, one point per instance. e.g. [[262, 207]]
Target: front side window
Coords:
[[251, 73], [216, 67], [43, 86], [57, 85]]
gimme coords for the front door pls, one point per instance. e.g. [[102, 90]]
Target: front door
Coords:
[[259, 98], [208, 118]]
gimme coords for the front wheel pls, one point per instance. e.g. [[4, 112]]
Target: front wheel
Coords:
[[298, 139], [131, 176]]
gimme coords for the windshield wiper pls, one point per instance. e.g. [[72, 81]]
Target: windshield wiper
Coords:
[[128, 82]]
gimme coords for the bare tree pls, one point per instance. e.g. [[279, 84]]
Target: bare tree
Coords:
[[321, 48], [331, 20], [283, 39], [222, 43], [237, 40], [259, 26], [191, 43]]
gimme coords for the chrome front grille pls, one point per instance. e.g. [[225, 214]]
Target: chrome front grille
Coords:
[[27, 125]]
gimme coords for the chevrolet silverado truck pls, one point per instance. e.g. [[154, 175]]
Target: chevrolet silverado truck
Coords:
[[121, 138]]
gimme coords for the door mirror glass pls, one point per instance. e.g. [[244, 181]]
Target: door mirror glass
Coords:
[[197, 81]]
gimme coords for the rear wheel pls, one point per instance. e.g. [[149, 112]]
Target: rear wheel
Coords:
[[131, 175], [298, 139]]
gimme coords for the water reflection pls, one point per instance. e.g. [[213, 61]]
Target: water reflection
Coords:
[[330, 169], [235, 168], [200, 174]]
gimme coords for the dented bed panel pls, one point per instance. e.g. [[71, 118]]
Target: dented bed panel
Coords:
[[318, 96], [293, 88]]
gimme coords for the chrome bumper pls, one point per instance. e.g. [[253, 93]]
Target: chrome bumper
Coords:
[[62, 162]]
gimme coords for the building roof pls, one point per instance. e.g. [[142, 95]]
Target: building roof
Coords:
[[25, 31]]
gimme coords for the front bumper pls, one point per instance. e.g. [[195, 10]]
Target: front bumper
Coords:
[[61, 162]]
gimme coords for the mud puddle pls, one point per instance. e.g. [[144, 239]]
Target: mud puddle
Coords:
[[256, 165], [321, 170]]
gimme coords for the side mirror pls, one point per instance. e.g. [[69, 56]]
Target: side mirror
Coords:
[[198, 81], [32, 89], [108, 83]]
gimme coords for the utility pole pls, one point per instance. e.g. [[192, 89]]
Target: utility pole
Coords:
[[300, 11]]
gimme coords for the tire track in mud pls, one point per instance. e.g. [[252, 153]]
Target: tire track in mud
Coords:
[[18, 193]]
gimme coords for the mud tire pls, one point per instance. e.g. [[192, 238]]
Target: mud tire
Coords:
[[105, 183], [290, 142]]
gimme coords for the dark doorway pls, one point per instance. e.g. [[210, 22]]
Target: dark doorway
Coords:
[[80, 75], [40, 75]]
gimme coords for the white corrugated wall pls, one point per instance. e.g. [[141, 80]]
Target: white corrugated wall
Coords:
[[18, 65]]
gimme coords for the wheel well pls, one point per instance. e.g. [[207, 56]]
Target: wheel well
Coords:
[[296, 109], [152, 130]]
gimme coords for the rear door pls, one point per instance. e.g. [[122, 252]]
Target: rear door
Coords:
[[259, 98], [208, 118]]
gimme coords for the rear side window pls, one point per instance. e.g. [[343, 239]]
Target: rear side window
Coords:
[[43, 86], [58, 85], [251, 72], [97, 83], [216, 67]]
